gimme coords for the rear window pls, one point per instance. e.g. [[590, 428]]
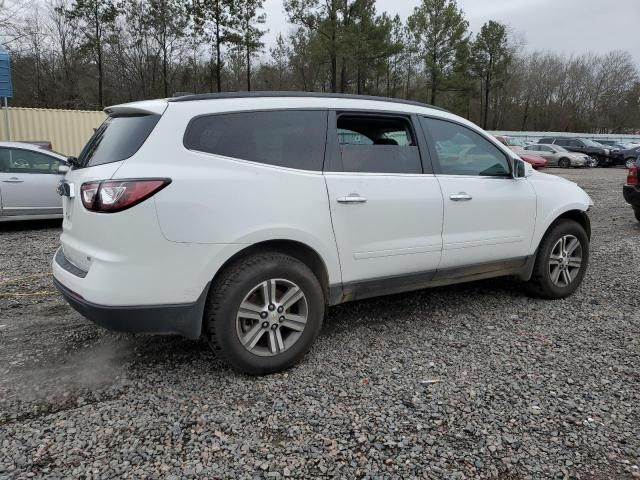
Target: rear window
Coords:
[[117, 139], [288, 138]]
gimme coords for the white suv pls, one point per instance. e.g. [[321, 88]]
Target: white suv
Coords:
[[242, 217]]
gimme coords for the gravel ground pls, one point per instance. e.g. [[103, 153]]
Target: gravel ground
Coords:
[[471, 381]]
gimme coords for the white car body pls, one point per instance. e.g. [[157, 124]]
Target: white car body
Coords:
[[162, 254], [29, 176]]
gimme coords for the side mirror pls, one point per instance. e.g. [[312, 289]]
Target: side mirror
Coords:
[[63, 169], [521, 169]]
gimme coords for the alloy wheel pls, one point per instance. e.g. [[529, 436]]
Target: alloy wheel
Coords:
[[565, 261], [272, 317]]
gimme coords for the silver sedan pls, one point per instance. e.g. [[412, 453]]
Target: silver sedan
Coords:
[[29, 176], [558, 156]]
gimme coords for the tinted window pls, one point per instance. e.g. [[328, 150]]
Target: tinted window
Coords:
[[461, 151], [294, 139], [377, 144], [15, 160], [117, 139]]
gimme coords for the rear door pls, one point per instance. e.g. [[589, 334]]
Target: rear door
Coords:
[[488, 215], [386, 208], [28, 181], [548, 153]]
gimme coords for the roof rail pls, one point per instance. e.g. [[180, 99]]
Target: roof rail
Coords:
[[226, 95]]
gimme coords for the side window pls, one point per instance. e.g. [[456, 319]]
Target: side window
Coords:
[[377, 144], [15, 160], [291, 138], [562, 142], [461, 151]]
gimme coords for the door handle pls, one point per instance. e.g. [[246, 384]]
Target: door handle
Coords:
[[13, 180], [461, 197], [352, 198]]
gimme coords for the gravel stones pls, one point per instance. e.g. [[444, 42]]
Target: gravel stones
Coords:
[[469, 381]]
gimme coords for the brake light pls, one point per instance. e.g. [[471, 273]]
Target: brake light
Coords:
[[632, 176], [111, 196]]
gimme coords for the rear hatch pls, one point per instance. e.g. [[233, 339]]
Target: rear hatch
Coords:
[[116, 140]]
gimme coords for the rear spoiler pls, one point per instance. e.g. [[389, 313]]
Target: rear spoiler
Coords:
[[150, 107]]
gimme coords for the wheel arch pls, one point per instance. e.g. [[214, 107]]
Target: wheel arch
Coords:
[[299, 250], [577, 215]]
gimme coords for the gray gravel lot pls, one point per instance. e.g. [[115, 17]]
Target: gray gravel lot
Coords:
[[471, 381]]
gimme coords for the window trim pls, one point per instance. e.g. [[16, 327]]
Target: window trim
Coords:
[[437, 170], [333, 159], [59, 160], [262, 110]]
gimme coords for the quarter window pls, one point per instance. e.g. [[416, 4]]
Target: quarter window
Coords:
[[16, 160], [291, 138], [461, 151], [377, 144]]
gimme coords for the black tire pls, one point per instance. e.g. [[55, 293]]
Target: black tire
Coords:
[[564, 163], [636, 212], [540, 284], [230, 290]]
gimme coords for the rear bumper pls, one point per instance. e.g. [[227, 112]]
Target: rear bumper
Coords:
[[631, 195], [184, 320]]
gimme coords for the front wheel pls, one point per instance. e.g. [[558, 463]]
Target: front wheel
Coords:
[[264, 313], [561, 261], [564, 163]]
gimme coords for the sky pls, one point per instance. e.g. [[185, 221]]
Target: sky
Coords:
[[562, 26]]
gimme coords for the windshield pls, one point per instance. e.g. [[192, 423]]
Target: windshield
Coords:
[[117, 139]]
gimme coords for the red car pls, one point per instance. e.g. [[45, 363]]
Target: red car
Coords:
[[536, 161], [514, 144]]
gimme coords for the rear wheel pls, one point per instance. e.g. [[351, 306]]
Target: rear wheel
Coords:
[[564, 163], [561, 261], [264, 313]]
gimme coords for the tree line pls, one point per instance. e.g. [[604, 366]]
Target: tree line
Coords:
[[85, 54]]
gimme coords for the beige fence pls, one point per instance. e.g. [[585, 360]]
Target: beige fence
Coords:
[[67, 130]]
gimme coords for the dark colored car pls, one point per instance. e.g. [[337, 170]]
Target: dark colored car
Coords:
[[598, 152], [628, 156], [631, 189]]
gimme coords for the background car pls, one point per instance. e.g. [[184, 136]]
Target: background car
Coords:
[[536, 161], [29, 176], [598, 152], [631, 189], [558, 156], [628, 155]]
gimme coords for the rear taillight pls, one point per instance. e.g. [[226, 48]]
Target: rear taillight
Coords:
[[632, 176], [111, 196]]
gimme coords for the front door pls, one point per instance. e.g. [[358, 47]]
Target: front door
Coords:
[[28, 182], [386, 213], [488, 215]]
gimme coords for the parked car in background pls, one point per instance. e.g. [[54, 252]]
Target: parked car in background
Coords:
[[628, 155], [536, 161], [191, 216], [558, 156], [631, 189], [600, 154], [29, 176]]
